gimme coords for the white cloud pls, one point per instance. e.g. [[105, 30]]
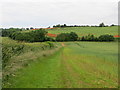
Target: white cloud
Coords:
[[36, 13]]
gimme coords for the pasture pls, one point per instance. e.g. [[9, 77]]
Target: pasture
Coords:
[[75, 65], [83, 31]]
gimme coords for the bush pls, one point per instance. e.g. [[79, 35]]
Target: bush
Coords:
[[89, 38], [106, 38], [100, 38], [33, 36], [67, 37], [73, 36], [101, 25], [49, 39], [9, 32]]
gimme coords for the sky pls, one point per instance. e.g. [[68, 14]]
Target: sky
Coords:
[[44, 13]]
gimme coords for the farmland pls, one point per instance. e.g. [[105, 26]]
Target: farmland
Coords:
[[82, 31], [73, 64]]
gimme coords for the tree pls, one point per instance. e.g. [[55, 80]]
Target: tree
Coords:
[[31, 28], [73, 36], [32, 36], [27, 28], [67, 37], [65, 25], [61, 37], [106, 38], [83, 38], [101, 25], [112, 25]]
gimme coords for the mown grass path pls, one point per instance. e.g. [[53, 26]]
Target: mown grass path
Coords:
[[76, 65]]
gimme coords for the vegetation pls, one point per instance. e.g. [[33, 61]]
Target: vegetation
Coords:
[[16, 55], [64, 25], [84, 31], [77, 65], [100, 38], [9, 32], [41, 35], [102, 25], [67, 37], [60, 64], [33, 36], [106, 38]]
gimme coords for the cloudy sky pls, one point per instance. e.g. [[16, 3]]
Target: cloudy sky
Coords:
[[44, 13]]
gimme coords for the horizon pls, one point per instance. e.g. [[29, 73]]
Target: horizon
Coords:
[[60, 24]]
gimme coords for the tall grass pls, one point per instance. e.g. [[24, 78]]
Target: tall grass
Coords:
[[16, 55]]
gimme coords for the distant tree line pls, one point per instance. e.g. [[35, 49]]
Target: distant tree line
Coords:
[[100, 25]]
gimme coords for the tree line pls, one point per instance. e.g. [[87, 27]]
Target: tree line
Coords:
[[41, 36], [100, 25], [32, 36]]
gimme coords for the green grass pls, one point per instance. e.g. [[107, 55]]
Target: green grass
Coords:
[[17, 55], [77, 65], [82, 31]]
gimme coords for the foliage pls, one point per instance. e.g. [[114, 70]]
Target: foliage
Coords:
[[33, 36], [67, 37], [64, 25], [100, 38], [83, 31], [94, 64], [9, 32], [106, 38], [89, 38], [102, 25], [73, 36]]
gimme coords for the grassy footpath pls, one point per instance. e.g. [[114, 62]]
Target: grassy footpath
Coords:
[[40, 74], [17, 55], [76, 65]]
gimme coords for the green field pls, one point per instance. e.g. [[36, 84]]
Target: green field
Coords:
[[82, 31], [75, 65], [62, 64]]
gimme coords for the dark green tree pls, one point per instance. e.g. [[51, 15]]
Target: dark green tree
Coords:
[[106, 38], [73, 36], [101, 25]]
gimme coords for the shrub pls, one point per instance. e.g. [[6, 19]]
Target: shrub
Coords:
[[106, 38], [67, 37], [73, 36], [33, 36], [101, 25], [9, 32], [89, 38]]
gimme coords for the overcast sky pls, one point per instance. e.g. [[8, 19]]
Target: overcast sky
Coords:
[[44, 13]]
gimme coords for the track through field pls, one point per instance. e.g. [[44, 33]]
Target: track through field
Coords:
[[75, 65]]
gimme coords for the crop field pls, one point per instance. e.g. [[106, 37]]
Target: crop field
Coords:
[[82, 31], [75, 65]]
